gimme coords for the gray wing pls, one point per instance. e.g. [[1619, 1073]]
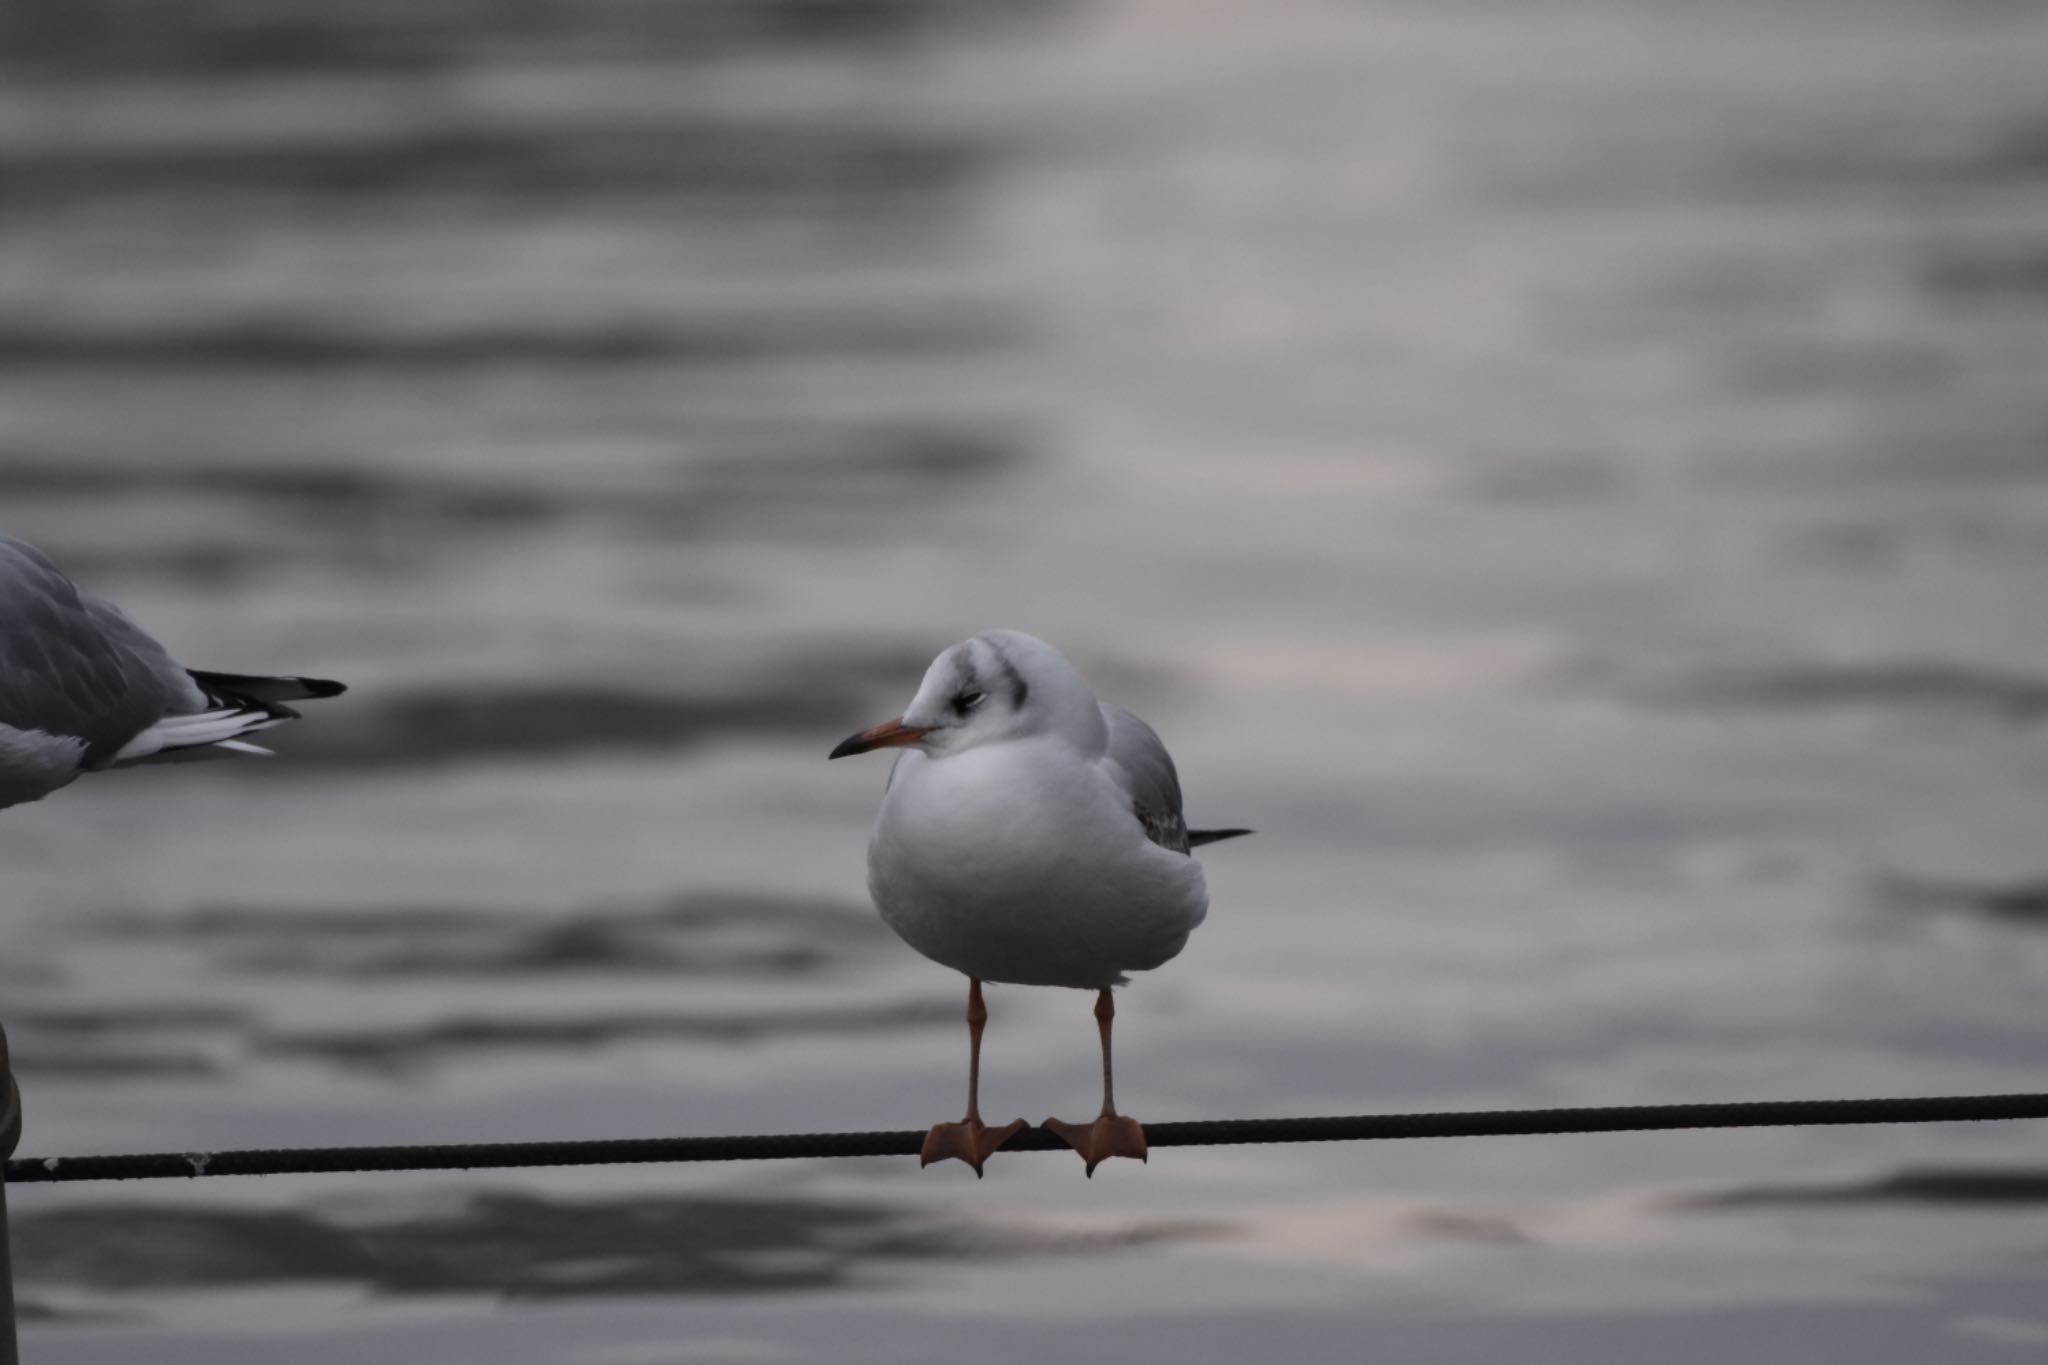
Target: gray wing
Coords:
[[1137, 754], [73, 665]]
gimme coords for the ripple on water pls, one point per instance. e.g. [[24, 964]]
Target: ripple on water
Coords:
[[530, 1247], [697, 934], [1965, 1186], [1931, 687]]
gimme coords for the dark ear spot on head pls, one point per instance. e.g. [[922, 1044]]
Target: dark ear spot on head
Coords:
[[1011, 681]]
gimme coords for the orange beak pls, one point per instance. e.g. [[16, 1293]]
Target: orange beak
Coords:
[[890, 734]]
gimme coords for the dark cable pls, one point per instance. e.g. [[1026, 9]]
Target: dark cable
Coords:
[[790, 1146]]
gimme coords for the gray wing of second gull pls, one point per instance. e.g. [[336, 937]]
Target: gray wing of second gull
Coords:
[[72, 665], [1148, 776]]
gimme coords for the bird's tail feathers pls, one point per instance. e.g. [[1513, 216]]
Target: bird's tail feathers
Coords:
[[199, 730], [238, 705], [244, 688], [1198, 837]]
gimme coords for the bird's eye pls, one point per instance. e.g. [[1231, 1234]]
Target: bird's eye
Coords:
[[967, 701]]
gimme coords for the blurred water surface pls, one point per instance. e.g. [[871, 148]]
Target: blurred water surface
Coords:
[[1574, 475]]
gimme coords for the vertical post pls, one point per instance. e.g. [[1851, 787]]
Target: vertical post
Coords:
[[10, 1134]]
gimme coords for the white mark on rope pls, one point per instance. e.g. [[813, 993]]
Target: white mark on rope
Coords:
[[199, 1161], [51, 1163]]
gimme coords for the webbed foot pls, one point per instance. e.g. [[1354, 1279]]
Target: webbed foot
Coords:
[[970, 1140], [1111, 1135]]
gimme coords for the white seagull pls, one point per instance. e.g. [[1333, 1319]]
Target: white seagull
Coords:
[[83, 688], [1031, 834]]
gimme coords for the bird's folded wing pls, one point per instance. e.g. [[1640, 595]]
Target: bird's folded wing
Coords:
[[73, 666], [1138, 760]]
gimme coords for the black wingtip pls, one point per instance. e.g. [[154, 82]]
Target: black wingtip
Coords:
[[248, 688], [1198, 837]]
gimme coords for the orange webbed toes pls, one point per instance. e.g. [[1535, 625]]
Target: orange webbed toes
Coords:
[[970, 1140], [1108, 1136]]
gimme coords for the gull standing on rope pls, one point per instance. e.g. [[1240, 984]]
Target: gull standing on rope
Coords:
[[1031, 834], [83, 688]]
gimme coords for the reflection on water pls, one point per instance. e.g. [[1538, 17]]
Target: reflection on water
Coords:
[[2000, 1188], [700, 934], [443, 1041], [703, 936], [1572, 476], [2024, 902], [117, 1042], [1937, 689], [521, 1246]]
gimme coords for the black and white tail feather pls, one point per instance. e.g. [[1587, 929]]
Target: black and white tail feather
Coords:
[[237, 705]]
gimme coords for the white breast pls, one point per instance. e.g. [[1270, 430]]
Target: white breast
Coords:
[[1023, 862]]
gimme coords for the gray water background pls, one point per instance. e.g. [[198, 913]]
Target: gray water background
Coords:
[[1573, 475]]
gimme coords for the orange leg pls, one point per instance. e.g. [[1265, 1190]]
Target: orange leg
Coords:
[[1111, 1134], [969, 1140]]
